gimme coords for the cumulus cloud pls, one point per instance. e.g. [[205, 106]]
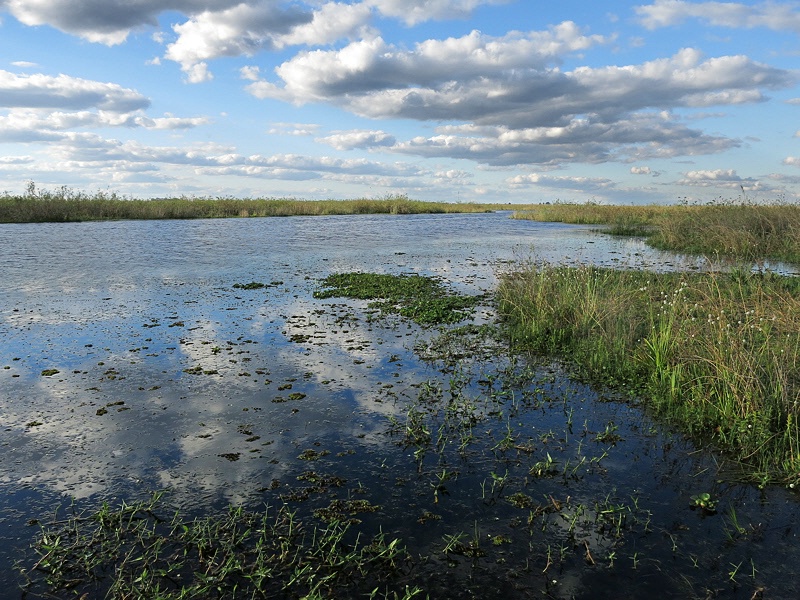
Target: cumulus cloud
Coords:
[[792, 161], [243, 29], [332, 22], [371, 69], [350, 140], [511, 80], [225, 27], [575, 183], [64, 92], [102, 21], [779, 16], [720, 178], [641, 171], [640, 136]]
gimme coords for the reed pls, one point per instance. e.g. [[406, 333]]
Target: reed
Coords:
[[727, 229], [716, 353], [65, 204]]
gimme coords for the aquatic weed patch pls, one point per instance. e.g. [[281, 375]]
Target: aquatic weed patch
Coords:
[[138, 551], [424, 300]]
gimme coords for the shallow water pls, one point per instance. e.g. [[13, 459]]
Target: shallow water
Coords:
[[171, 378]]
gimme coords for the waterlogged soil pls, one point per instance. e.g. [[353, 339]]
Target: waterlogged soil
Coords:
[[194, 357]]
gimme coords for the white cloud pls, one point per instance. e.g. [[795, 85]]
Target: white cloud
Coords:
[[792, 161], [243, 29], [250, 73], [417, 11], [16, 160], [721, 178], [779, 16], [575, 183], [334, 21], [295, 129], [197, 73], [25, 125], [62, 91], [251, 27], [349, 140], [641, 171]]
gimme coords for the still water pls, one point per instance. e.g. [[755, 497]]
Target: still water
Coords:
[[169, 377]]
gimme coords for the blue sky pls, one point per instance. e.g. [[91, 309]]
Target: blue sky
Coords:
[[446, 100]]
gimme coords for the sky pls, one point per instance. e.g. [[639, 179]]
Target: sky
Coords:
[[443, 100]]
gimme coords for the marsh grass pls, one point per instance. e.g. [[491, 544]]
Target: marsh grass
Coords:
[[132, 552], [67, 205], [716, 353], [741, 230]]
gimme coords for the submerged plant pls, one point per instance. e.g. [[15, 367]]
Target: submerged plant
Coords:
[[131, 552]]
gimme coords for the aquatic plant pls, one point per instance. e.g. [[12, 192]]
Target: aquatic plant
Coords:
[[705, 502], [420, 298], [131, 551], [717, 353]]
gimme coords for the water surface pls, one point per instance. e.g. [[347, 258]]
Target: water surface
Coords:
[[169, 377]]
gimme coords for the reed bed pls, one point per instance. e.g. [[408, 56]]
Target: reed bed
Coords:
[[726, 229], [67, 205], [716, 353]]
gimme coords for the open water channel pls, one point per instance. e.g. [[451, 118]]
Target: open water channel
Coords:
[[168, 377]]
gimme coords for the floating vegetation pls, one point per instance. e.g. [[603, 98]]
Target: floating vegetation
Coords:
[[253, 285], [422, 299], [50, 372]]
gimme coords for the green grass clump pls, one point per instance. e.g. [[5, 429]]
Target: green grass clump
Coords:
[[421, 299], [131, 552], [715, 352], [742, 230]]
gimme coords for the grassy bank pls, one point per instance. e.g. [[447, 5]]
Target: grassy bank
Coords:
[[742, 230], [65, 205], [715, 353]]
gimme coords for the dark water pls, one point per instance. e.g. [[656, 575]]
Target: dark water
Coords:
[[171, 378]]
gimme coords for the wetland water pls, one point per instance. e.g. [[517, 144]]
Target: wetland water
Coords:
[[511, 479]]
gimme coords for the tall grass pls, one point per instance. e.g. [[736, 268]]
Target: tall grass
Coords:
[[742, 230], [65, 204], [715, 352]]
